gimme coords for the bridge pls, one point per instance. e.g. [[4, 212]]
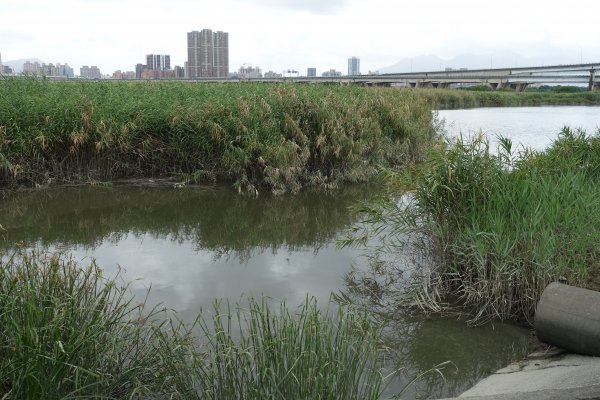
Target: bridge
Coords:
[[515, 78]]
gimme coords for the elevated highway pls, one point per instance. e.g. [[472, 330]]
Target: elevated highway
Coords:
[[515, 78]]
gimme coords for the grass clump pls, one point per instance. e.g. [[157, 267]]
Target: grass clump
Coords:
[[499, 226], [67, 333], [253, 352]]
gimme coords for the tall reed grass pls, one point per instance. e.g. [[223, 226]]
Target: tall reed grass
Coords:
[[256, 353], [497, 227], [440, 99], [257, 136], [67, 333]]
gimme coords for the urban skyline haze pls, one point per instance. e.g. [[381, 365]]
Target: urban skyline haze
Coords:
[[289, 34]]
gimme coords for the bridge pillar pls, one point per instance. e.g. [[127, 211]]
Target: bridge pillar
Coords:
[[592, 85], [519, 87]]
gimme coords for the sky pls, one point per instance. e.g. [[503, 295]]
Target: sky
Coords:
[[293, 34]]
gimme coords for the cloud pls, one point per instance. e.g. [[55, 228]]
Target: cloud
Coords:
[[312, 6]]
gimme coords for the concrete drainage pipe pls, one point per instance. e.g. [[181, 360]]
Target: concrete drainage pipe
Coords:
[[569, 317]]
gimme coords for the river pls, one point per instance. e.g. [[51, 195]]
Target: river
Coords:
[[192, 245], [531, 127]]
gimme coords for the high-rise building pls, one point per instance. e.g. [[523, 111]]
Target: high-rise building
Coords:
[[179, 72], [64, 70], [221, 54], [139, 69], [88, 72], [311, 72], [32, 68], [353, 66], [158, 62], [200, 53], [208, 54]]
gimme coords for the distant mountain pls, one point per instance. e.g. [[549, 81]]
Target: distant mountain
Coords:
[[17, 65], [471, 61]]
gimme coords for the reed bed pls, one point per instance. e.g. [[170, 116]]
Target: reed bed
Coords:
[[449, 99], [68, 332], [496, 227], [257, 136]]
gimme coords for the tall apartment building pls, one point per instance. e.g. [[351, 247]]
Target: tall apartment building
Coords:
[[139, 69], [353, 66], [208, 54], [32, 68], [158, 62], [88, 72], [311, 72], [50, 70], [221, 54]]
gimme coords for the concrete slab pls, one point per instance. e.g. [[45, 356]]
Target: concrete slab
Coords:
[[558, 376]]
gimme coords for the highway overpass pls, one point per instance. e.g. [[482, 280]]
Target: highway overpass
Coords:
[[496, 78]]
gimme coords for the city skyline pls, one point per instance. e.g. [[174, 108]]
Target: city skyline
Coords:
[[288, 34]]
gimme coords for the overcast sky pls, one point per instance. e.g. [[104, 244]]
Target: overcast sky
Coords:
[[296, 34]]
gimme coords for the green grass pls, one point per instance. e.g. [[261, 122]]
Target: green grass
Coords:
[[67, 333], [257, 136], [254, 352], [499, 226]]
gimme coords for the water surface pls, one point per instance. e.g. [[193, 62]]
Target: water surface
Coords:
[[195, 244], [532, 127]]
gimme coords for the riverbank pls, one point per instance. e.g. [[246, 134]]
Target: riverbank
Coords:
[[258, 137], [450, 99], [546, 375]]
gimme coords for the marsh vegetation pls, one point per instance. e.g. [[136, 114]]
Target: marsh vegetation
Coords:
[[449, 99], [67, 332], [494, 226], [255, 136]]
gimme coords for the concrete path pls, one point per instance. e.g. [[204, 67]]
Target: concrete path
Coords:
[[554, 375]]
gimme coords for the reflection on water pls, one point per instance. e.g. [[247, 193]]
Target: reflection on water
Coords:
[[193, 245], [215, 220], [421, 344]]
